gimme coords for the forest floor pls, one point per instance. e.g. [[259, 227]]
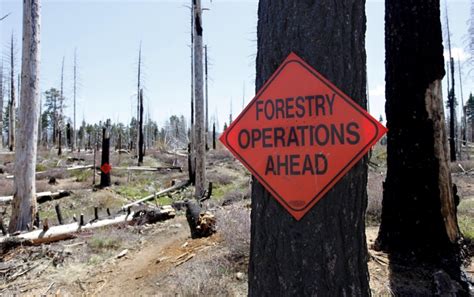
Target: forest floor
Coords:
[[161, 259]]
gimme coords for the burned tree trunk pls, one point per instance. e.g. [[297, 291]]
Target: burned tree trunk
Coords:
[[323, 254], [1, 104], [24, 200], [199, 128], [105, 164], [419, 211], [140, 130]]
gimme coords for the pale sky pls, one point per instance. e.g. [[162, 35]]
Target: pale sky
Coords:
[[107, 35]]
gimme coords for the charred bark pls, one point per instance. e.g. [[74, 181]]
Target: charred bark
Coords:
[[418, 210], [105, 175], [323, 254]]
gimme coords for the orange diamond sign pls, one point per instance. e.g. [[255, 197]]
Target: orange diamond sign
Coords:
[[106, 168], [300, 135]]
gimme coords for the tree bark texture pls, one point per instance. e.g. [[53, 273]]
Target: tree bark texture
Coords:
[[199, 127], [141, 148], [105, 176], [12, 103], [418, 212], [24, 200], [325, 253]]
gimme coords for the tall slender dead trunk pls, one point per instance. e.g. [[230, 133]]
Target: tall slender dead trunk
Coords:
[[199, 129], [1, 104], [207, 100], [140, 128], [325, 253], [74, 137], [192, 145], [105, 163], [12, 103], [61, 111], [418, 209], [24, 200], [451, 97], [139, 80]]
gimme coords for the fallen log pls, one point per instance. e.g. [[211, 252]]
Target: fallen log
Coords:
[[155, 195], [40, 197], [201, 224], [80, 167], [68, 231], [179, 168]]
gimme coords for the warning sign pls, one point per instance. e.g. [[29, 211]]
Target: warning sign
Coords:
[[105, 168], [300, 135]]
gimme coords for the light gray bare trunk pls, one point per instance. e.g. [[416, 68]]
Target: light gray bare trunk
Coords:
[[24, 200], [1, 105], [207, 98], [199, 99], [137, 146], [11, 105], [75, 92], [192, 164]]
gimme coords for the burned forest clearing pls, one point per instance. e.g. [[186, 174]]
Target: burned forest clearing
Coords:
[[161, 258]]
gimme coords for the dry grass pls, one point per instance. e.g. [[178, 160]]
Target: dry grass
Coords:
[[375, 196], [233, 224]]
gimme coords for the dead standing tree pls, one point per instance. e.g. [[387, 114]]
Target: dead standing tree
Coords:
[[139, 80], [199, 129], [61, 112], [140, 130], [191, 146], [418, 194], [12, 102], [24, 201], [105, 163], [451, 97], [323, 254], [1, 104]]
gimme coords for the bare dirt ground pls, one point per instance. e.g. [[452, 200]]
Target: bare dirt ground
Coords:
[[161, 259]]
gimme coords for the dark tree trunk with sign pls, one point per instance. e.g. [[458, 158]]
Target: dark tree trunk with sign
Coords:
[[105, 172], [419, 211], [325, 253]]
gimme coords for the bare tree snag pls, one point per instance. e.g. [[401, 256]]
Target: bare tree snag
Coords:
[[24, 201], [139, 73], [74, 141], [207, 99], [105, 175], [214, 136], [140, 130], [61, 112], [1, 103], [323, 254], [418, 210], [12, 102], [199, 129]]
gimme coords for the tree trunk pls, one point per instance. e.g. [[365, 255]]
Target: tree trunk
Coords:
[[11, 106], [192, 145], [199, 128], [1, 105], [418, 210], [140, 130], [24, 201], [325, 253], [105, 176]]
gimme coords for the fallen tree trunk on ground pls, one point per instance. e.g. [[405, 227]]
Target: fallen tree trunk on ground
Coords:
[[163, 192], [201, 224], [80, 167], [40, 197], [150, 168], [68, 231]]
